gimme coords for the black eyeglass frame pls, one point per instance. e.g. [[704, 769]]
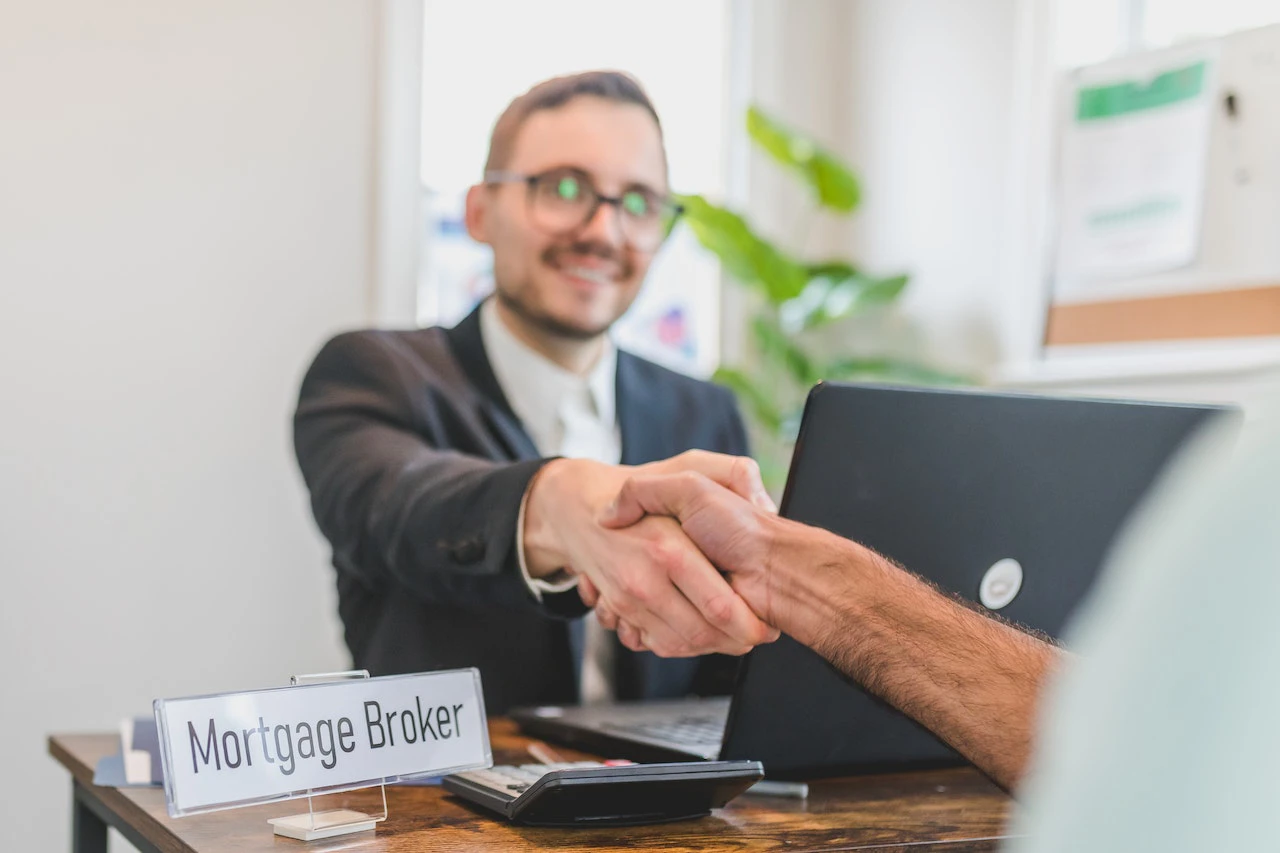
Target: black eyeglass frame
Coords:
[[671, 209]]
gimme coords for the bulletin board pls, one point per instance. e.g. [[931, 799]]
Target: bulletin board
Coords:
[[1167, 208]]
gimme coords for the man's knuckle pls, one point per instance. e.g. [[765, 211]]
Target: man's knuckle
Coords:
[[705, 638], [638, 591], [690, 480], [676, 648], [683, 572], [664, 555], [719, 610], [624, 607]]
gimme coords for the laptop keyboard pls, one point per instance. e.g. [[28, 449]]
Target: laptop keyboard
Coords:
[[685, 731]]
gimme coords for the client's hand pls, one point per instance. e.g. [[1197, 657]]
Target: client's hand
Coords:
[[646, 572], [735, 535]]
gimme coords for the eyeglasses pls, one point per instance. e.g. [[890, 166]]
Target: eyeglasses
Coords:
[[564, 200]]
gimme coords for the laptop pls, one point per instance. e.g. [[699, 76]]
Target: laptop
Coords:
[[959, 486]]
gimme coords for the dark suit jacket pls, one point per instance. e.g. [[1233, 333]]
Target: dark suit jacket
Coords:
[[417, 466]]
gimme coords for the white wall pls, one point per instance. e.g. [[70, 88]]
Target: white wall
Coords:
[[185, 214], [917, 95], [931, 99]]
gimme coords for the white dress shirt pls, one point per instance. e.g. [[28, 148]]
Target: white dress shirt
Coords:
[[566, 415]]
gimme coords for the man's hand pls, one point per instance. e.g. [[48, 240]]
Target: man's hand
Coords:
[[735, 535], [969, 678], [648, 572]]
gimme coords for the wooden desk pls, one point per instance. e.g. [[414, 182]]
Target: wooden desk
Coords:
[[950, 811]]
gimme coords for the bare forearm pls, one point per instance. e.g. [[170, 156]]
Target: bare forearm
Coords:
[[970, 679]]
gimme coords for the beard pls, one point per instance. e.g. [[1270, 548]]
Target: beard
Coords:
[[516, 299], [544, 321]]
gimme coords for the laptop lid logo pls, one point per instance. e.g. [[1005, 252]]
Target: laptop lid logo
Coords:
[[1001, 584]]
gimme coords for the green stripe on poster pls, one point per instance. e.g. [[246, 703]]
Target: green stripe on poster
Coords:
[[1117, 99]]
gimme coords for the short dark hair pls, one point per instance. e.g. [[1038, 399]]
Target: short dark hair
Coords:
[[613, 86]]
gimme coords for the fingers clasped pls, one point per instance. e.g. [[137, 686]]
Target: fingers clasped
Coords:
[[679, 585]]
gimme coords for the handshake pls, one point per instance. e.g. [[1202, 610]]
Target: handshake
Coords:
[[674, 555], [688, 556]]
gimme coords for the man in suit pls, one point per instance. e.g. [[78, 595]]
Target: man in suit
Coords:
[[459, 473]]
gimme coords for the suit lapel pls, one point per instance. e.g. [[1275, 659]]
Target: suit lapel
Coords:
[[641, 411], [468, 346]]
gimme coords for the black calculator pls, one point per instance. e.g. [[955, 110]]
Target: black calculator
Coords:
[[588, 793]]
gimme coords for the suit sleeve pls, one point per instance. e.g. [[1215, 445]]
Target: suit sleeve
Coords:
[[395, 507]]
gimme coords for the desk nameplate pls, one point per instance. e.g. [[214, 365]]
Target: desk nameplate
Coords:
[[262, 746]]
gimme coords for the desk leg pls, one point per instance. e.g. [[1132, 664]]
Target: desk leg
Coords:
[[88, 831]]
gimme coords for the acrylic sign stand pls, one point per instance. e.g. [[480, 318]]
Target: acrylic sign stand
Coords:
[[327, 823]]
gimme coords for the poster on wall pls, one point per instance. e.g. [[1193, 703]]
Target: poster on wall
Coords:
[[1134, 159]]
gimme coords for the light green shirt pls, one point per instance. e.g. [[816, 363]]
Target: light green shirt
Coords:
[[1164, 732]]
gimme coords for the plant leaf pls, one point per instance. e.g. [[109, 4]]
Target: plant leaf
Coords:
[[870, 288], [762, 408], [832, 181], [832, 270], [746, 256], [778, 348], [836, 289]]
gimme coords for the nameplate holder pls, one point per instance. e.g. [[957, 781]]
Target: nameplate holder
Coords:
[[324, 735]]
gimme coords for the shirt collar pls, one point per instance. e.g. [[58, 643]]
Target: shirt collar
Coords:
[[535, 386]]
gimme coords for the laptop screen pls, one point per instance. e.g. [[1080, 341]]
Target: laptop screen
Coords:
[[1011, 499]]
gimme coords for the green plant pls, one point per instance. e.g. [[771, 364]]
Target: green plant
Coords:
[[797, 298]]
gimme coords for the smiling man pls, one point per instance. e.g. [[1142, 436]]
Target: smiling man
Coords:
[[458, 473]]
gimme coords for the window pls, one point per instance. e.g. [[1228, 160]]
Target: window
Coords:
[[1087, 31], [479, 55], [1165, 22]]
